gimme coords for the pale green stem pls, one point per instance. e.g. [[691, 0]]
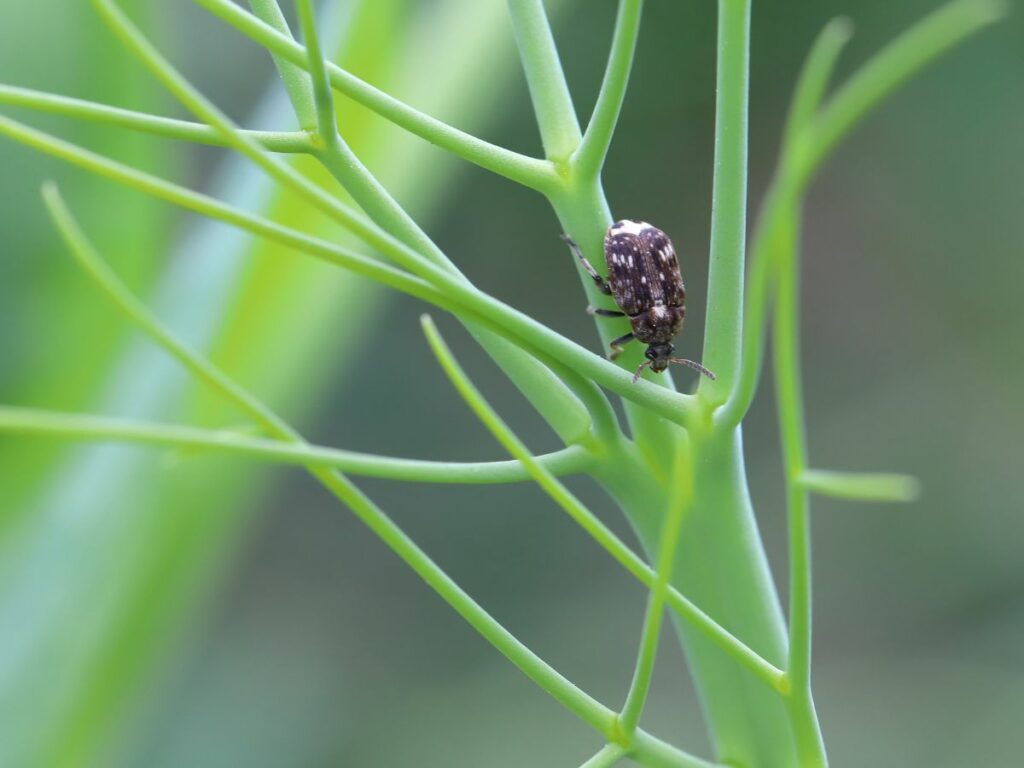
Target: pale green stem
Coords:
[[606, 757], [296, 81], [861, 486], [552, 102], [164, 127], [326, 119], [457, 297], [812, 135], [786, 345], [588, 160], [891, 67], [139, 46], [73, 426], [531, 172], [723, 329], [616, 459], [680, 497], [546, 677], [807, 95]]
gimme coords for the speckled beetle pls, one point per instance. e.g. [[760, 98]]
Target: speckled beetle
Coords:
[[644, 280]]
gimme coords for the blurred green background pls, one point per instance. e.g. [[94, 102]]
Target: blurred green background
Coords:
[[163, 609]]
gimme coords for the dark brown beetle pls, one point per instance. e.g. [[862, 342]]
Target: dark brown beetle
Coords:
[[644, 280]]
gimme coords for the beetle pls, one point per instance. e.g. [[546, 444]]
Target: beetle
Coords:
[[645, 282]]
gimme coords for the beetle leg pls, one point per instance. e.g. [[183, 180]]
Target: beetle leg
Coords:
[[592, 310], [696, 366], [636, 376], [602, 284], [616, 345]]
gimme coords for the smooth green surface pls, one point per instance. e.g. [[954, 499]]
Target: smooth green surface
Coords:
[[722, 563]]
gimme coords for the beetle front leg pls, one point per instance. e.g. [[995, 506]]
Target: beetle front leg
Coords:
[[616, 345], [600, 282]]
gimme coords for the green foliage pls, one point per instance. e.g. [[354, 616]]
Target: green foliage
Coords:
[[675, 468]]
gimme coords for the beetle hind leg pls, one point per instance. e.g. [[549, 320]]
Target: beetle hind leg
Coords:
[[600, 282], [617, 344]]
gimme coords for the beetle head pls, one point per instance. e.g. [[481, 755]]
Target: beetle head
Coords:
[[659, 354]]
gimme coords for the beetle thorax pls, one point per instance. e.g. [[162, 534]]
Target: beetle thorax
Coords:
[[658, 324]]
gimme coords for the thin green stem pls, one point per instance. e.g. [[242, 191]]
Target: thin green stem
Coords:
[[891, 67], [786, 345], [72, 426], [288, 142], [586, 519], [139, 46], [546, 677], [606, 757], [861, 486], [457, 297], [552, 102], [723, 330], [295, 80], [680, 497], [807, 95], [323, 98], [531, 172], [593, 149]]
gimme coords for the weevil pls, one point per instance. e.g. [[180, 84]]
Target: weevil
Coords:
[[645, 282]]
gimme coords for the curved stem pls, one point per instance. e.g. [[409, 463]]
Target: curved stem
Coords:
[[552, 102], [588, 709], [590, 155], [616, 460], [165, 127], [72, 426], [531, 172], [458, 297], [788, 387], [895, 64], [680, 496]]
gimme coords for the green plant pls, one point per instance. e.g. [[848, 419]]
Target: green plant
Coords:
[[693, 516]]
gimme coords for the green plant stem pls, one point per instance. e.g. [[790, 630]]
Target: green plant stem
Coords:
[[323, 98], [552, 102], [606, 757], [807, 96], [589, 157], [289, 142], [812, 135], [860, 486], [786, 345], [181, 89], [723, 330], [458, 297], [653, 751], [680, 496], [616, 460], [73, 426], [891, 67], [295, 80], [531, 172]]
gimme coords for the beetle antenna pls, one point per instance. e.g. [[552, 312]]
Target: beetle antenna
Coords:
[[690, 364]]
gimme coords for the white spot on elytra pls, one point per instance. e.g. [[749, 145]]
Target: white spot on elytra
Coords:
[[643, 280], [630, 262], [630, 227]]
